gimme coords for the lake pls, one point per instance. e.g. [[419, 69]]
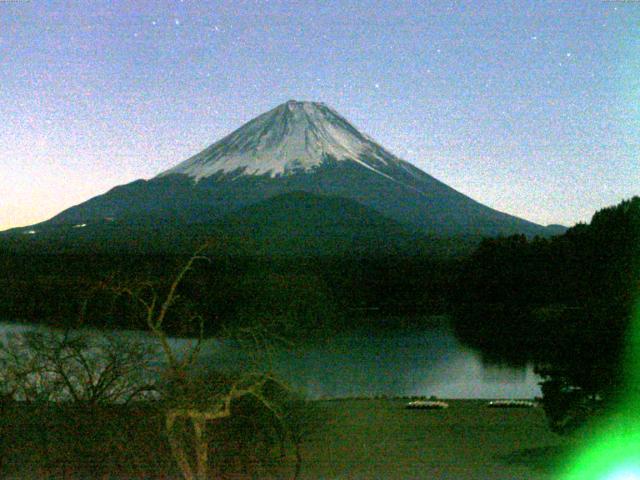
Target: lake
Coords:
[[425, 361]]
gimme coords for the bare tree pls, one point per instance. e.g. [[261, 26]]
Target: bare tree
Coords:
[[69, 381], [81, 366], [189, 397]]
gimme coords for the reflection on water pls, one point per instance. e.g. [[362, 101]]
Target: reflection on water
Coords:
[[422, 362], [427, 361]]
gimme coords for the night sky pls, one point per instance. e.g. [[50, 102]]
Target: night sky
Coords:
[[531, 107]]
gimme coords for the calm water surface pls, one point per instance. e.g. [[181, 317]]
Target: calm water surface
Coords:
[[426, 361]]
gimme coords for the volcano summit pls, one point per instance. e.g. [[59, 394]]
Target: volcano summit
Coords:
[[303, 150], [294, 137]]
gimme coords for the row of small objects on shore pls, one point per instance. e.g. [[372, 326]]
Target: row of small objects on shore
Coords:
[[428, 404], [439, 404], [511, 404]]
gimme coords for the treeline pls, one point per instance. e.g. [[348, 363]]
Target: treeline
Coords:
[[565, 303], [309, 293]]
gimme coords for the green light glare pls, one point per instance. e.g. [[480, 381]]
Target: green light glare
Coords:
[[625, 473], [613, 452]]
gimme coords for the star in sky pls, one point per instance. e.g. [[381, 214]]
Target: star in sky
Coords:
[[458, 90]]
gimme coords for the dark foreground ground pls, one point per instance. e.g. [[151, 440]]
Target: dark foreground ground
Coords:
[[354, 439], [379, 439]]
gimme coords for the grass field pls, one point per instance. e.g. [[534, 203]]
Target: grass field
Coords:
[[380, 439], [350, 439]]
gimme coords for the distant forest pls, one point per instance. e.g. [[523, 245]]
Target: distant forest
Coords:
[[315, 296], [564, 303]]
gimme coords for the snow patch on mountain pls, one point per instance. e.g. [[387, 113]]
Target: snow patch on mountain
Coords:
[[293, 137]]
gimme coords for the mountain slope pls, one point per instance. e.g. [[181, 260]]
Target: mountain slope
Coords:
[[296, 147], [291, 224], [297, 223]]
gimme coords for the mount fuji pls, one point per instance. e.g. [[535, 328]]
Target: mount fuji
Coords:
[[295, 172]]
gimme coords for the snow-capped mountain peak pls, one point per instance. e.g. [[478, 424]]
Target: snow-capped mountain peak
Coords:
[[298, 148], [295, 136]]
